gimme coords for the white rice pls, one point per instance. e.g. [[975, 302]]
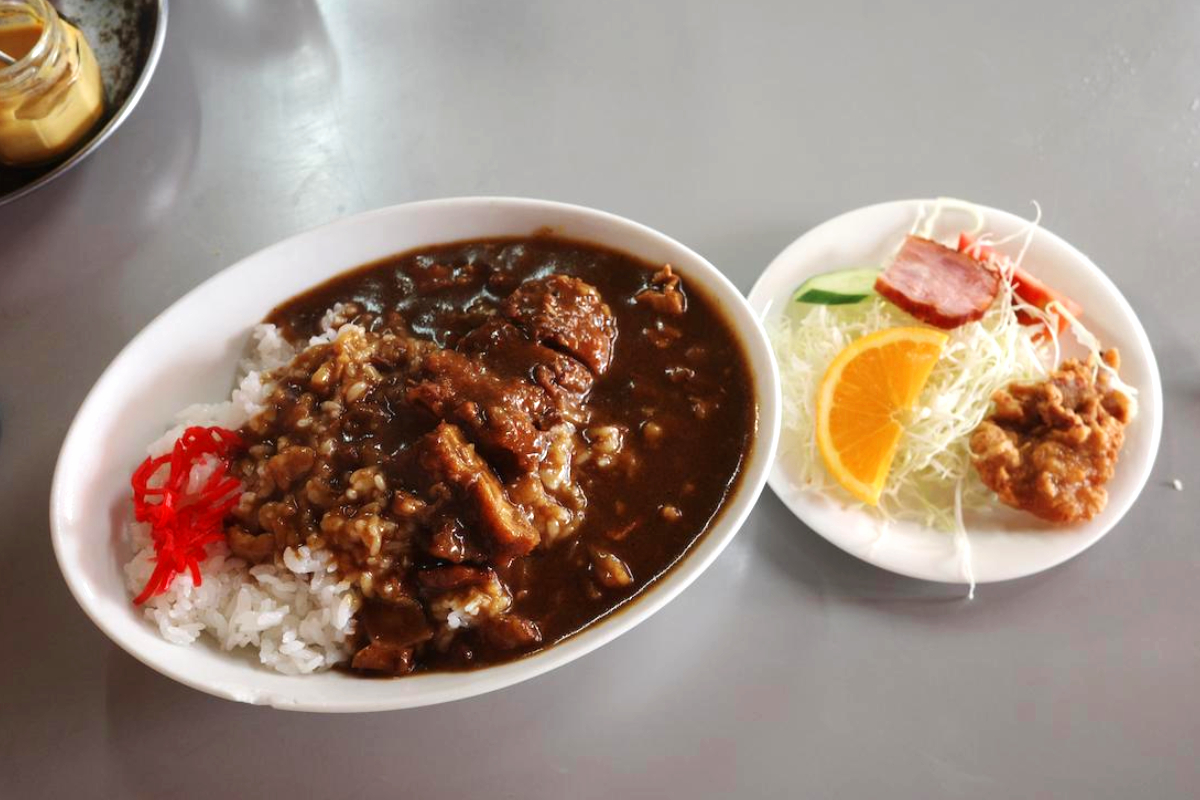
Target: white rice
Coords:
[[298, 616]]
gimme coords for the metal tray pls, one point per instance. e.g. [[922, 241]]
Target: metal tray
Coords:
[[127, 37]]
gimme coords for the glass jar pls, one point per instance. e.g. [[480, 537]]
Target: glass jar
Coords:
[[52, 96]]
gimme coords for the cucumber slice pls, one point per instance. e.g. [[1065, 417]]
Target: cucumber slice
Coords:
[[838, 288]]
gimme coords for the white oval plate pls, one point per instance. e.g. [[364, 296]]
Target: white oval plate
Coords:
[[1010, 544], [189, 354]]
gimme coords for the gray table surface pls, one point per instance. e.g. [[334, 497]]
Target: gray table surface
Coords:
[[789, 668]]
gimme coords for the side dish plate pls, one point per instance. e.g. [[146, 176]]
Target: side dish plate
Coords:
[[1010, 544]]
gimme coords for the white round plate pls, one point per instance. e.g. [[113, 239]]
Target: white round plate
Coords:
[[1009, 544], [189, 354]]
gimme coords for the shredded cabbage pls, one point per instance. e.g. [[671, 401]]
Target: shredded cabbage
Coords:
[[933, 456]]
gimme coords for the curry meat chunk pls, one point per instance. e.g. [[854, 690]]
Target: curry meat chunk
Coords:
[[664, 294], [503, 414], [448, 458], [567, 314], [504, 348], [1048, 448]]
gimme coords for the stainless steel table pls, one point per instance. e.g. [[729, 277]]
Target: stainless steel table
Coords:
[[789, 669]]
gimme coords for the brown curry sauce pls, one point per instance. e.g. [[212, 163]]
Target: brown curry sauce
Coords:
[[684, 374]]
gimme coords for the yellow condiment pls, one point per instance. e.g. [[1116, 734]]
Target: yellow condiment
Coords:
[[51, 99], [19, 38]]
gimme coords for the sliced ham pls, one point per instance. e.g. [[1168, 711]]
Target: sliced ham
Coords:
[[937, 285]]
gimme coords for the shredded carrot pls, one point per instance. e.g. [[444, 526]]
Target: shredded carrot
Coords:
[[1025, 286], [181, 526]]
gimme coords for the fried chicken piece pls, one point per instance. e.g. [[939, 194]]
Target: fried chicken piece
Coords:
[[1048, 448]]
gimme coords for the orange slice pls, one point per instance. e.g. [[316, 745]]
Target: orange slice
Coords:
[[861, 400]]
